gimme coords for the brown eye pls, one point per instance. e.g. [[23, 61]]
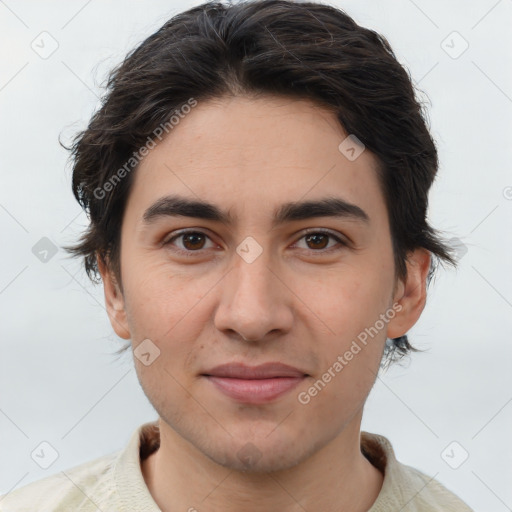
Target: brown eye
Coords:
[[318, 240], [188, 242], [193, 241]]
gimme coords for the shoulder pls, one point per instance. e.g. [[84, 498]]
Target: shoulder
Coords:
[[78, 489], [110, 482], [406, 488], [426, 493]]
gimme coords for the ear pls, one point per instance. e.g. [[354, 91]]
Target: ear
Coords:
[[114, 300], [411, 294]]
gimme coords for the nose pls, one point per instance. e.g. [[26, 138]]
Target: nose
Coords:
[[255, 301]]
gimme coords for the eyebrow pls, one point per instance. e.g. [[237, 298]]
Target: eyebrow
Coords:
[[174, 205]]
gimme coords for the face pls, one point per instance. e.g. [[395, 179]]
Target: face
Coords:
[[258, 279]]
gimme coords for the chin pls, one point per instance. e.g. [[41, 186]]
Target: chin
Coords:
[[254, 462], [259, 456]]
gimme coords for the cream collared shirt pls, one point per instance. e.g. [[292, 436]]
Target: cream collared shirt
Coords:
[[114, 483]]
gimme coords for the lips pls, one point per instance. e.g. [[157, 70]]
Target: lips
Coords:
[[263, 371], [254, 384]]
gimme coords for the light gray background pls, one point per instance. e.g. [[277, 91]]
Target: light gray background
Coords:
[[58, 379]]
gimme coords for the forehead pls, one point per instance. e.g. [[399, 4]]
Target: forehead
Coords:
[[253, 154]]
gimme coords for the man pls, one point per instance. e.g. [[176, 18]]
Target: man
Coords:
[[257, 182]]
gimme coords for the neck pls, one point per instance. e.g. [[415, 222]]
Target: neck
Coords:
[[336, 477]]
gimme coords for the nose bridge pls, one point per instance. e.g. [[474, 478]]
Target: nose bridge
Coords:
[[253, 278], [253, 301]]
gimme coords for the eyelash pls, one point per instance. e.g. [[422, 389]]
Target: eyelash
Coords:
[[189, 253]]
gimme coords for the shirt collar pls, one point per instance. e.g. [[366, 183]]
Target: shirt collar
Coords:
[[135, 495]]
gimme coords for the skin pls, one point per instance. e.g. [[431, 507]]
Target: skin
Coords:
[[292, 304]]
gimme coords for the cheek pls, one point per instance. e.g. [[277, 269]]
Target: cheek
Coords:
[[351, 305], [348, 300], [159, 302]]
